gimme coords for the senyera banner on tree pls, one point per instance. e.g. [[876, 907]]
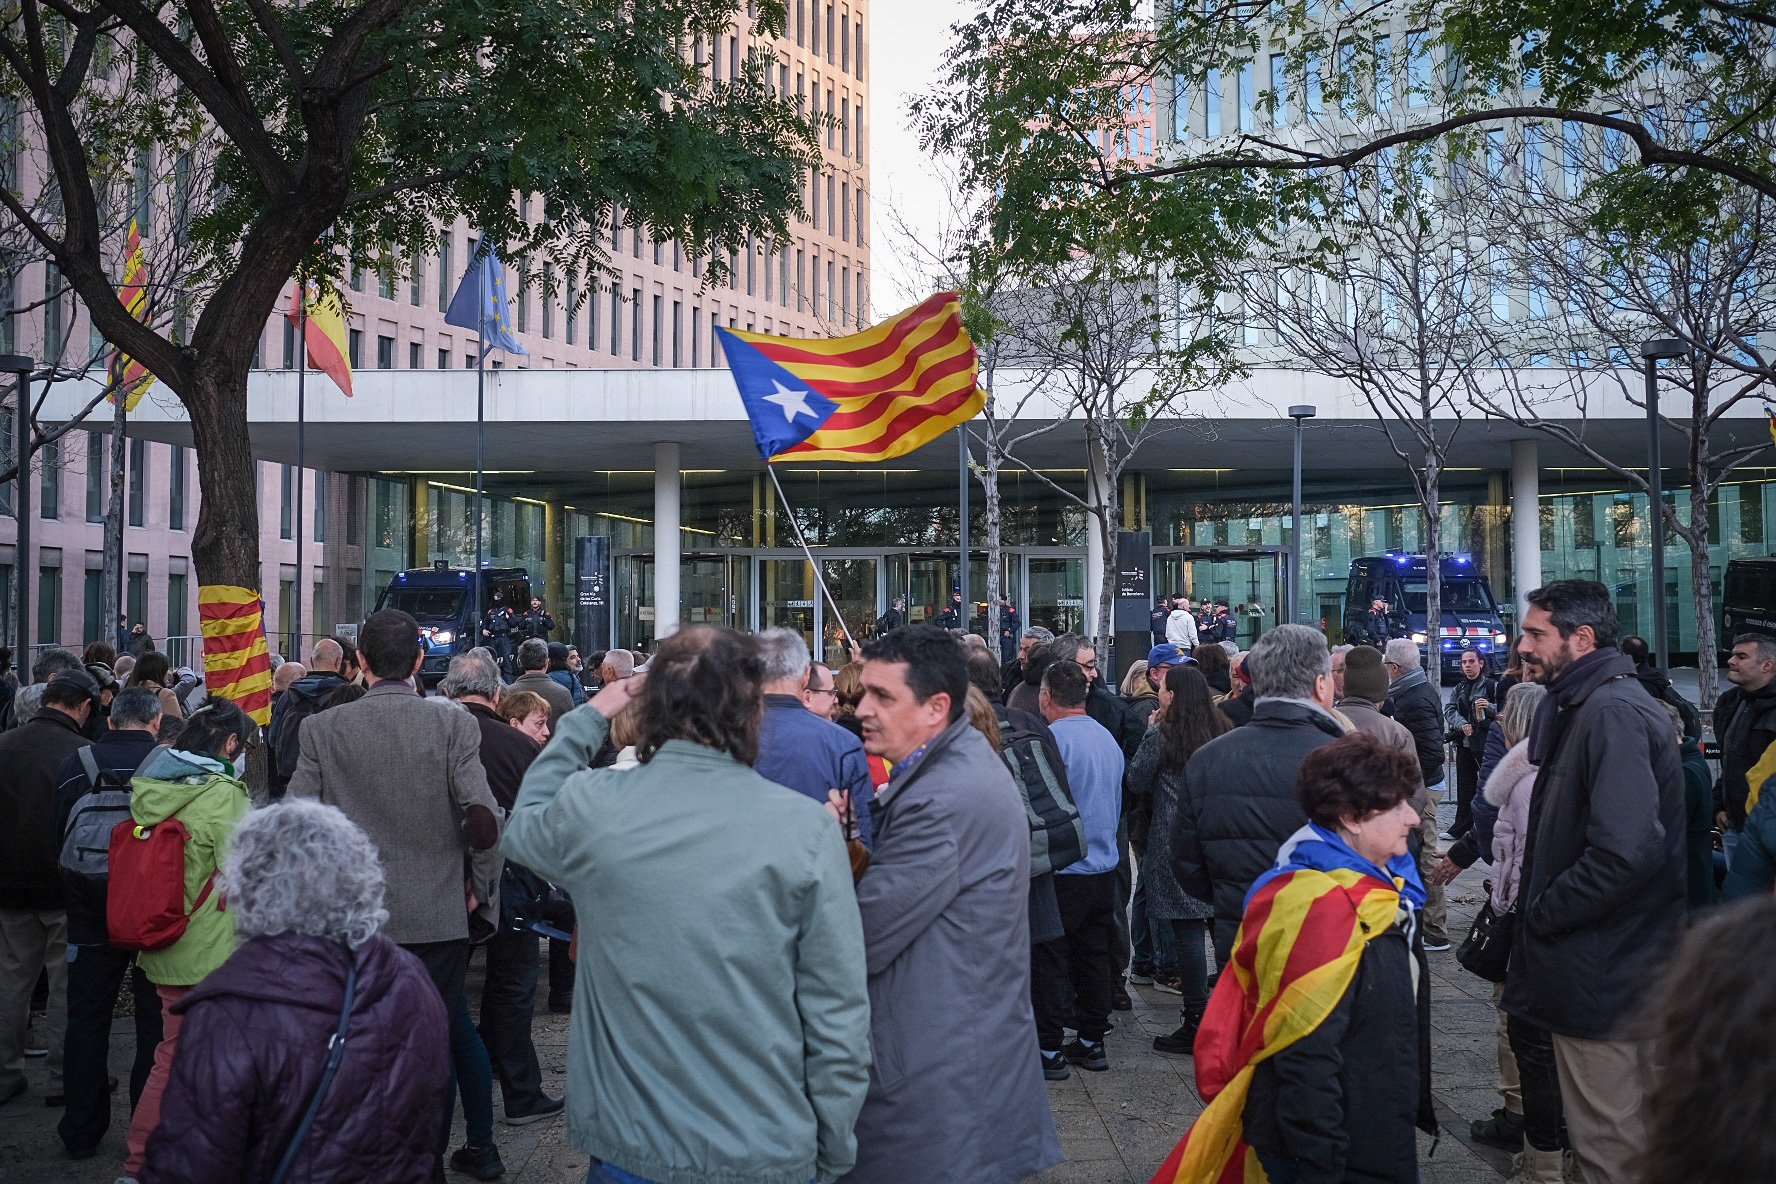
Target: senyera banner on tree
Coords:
[[237, 664]]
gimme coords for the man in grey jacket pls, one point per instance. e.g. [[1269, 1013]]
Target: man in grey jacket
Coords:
[[956, 1093]]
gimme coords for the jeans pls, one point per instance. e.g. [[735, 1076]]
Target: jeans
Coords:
[[1143, 933], [1467, 782], [1539, 1078], [1076, 967], [471, 1073], [95, 974], [1191, 943], [561, 974], [508, 1001]]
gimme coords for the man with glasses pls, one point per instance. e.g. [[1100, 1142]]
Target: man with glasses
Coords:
[[799, 745]]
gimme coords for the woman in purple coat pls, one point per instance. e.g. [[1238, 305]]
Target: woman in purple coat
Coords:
[[305, 889]]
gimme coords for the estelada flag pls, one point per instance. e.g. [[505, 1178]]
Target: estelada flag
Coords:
[[236, 663], [327, 348], [871, 396], [127, 374]]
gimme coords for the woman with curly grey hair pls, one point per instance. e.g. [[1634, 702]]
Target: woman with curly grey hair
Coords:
[[305, 890]]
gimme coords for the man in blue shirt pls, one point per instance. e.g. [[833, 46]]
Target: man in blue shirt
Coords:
[[1076, 966], [802, 750]]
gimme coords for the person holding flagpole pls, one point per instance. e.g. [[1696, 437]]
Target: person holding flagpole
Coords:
[[1314, 1054]]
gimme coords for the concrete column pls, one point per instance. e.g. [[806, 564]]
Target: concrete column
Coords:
[[1526, 521], [667, 545]]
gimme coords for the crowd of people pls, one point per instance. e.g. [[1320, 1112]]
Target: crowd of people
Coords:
[[816, 923]]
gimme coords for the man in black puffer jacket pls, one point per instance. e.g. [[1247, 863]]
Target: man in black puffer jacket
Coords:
[[1601, 896], [1238, 802], [1413, 701]]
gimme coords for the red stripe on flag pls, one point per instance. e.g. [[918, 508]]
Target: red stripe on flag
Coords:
[[892, 385], [230, 643], [780, 350], [891, 432], [223, 610]]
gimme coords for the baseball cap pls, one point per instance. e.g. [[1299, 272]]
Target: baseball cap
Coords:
[[80, 679], [1167, 654]]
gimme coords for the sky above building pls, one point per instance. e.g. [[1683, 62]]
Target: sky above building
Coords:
[[910, 39]]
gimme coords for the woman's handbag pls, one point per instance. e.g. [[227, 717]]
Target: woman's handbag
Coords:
[[1486, 951], [335, 1054]]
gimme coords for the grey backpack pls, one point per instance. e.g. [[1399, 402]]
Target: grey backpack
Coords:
[[86, 841]]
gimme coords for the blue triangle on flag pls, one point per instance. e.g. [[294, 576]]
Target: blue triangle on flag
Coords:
[[784, 409]]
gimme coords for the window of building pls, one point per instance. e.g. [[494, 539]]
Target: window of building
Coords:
[[659, 301], [845, 210], [138, 482], [319, 511], [443, 359], [95, 477], [289, 344], [1418, 68], [548, 301], [1247, 97], [135, 590], [416, 281], [831, 206], [635, 325], [354, 347], [385, 280], [415, 355], [385, 352], [55, 327], [829, 35], [696, 334], [857, 36], [845, 293], [832, 297], [93, 594], [49, 479], [714, 341], [1384, 74], [287, 500], [1212, 103], [445, 272], [177, 608], [1279, 90], [176, 490], [616, 321], [570, 300], [49, 605], [845, 42]]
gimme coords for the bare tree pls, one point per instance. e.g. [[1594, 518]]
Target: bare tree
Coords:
[[1380, 291], [1106, 343], [1587, 289]]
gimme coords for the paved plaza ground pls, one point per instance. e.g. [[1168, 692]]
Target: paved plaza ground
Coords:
[[1116, 1127]]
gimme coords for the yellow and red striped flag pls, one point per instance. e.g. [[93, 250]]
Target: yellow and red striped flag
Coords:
[[127, 374], [236, 663], [1297, 951], [871, 396], [328, 350]]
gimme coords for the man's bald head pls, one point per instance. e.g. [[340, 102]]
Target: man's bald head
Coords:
[[286, 674], [327, 655]]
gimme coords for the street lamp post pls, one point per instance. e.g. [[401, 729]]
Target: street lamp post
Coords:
[[22, 365], [1297, 413], [1652, 352]]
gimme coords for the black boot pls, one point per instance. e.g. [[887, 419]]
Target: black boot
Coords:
[[1183, 1041]]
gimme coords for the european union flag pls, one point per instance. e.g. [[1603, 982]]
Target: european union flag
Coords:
[[783, 409], [480, 304]]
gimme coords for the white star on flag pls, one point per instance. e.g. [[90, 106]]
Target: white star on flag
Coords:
[[793, 402]]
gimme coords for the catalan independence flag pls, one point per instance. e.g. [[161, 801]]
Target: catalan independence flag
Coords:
[[236, 663], [126, 374], [872, 396], [1306, 924]]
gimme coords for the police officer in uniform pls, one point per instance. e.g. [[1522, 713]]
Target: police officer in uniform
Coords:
[[497, 625]]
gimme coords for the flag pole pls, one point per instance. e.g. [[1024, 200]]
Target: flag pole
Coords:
[[301, 457], [802, 540], [480, 423]]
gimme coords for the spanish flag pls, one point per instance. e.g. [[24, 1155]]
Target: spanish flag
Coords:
[[236, 663], [328, 350], [1304, 931], [871, 396], [127, 374]]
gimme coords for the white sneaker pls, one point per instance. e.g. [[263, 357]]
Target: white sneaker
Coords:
[[1436, 947]]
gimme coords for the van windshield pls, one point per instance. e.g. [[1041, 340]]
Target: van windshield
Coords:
[[427, 604], [1460, 595], [1751, 585]]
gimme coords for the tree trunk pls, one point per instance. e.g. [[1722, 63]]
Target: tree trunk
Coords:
[[1102, 504], [989, 479], [111, 579], [1702, 587], [225, 546], [1433, 569]]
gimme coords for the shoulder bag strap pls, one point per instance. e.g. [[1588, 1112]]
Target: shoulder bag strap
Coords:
[[89, 764], [335, 1054]]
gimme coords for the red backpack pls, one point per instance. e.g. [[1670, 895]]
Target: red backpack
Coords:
[[145, 903]]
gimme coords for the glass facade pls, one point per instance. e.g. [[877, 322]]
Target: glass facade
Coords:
[[882, 534]]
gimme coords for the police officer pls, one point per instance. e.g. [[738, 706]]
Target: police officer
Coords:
[[537, 622], [497, 625]]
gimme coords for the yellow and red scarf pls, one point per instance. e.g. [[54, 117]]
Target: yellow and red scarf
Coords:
[[1297, 951]]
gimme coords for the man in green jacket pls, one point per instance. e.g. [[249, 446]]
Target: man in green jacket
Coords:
[[720, 1028]]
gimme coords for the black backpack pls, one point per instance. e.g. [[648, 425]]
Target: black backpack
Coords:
[[1057, 833]]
